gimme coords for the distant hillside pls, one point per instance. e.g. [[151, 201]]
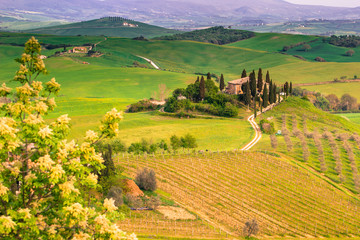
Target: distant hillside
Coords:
[[108, 26], [216, 35], [312, 27]]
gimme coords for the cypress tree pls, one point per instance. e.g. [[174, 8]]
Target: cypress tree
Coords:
[[274, 93], [202, 88], [265, 97], [291, 89], [253, 83], [208, 76], [222, 83], [271, 92], [243, 74], [286, 89], [197, 80], [267, 77], [260, 80], [247, 94]]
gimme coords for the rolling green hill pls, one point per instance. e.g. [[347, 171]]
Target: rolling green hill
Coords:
[[272, 42], [109, 26], [216, 35]]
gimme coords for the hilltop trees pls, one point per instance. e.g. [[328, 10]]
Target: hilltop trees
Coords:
[[46, 180]]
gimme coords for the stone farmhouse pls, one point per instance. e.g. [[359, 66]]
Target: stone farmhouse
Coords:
[[126, 24], [78, 50], [234, 86]]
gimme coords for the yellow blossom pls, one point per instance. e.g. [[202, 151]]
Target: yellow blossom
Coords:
[[91, 136], [26, 212], [52, 86], [97, 158], [7, 127], [103, 222], [51, 103], [45, 132], [91, 179], [34, 119], [112, 115], [7, 223], [45, 162], [81, 236], [76, 210], [132, 237], [109, 204], [24, 91], [52, 230], [41, 107], [56, 173], [63, 119], [3, 190], [37, 85], [68, 187], [4, 90]]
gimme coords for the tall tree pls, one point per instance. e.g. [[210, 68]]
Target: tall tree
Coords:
[[286, 89], [222, 82], [267, 77], [265, 96], [202, 88], [260, 81], [253, 83], [247, 94], [291, 88], [243, 74], [197, 80], [271, 89], [208, 76], [274, 93]]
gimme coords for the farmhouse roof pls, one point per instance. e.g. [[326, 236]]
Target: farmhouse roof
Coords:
[[239, 81]]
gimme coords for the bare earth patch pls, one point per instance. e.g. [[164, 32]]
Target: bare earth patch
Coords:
[[175, 213], [275, 37]]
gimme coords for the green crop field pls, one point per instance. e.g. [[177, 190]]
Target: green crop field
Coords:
[[337, 88], [327, 51], [272, 42], [353, 117], [229, 188]]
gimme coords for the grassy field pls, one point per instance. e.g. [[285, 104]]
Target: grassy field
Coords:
[[295, 108], [353, 117], [229, 188], [327, 51], [272, 42], [337, 88]]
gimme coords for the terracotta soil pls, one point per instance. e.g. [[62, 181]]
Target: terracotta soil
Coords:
[[131, 188], [175, 213]]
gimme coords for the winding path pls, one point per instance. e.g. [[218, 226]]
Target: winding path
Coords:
[[149, 61], [256, 127], [258, 134]]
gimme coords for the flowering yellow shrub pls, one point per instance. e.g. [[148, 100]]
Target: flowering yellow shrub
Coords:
[[45, 179]]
